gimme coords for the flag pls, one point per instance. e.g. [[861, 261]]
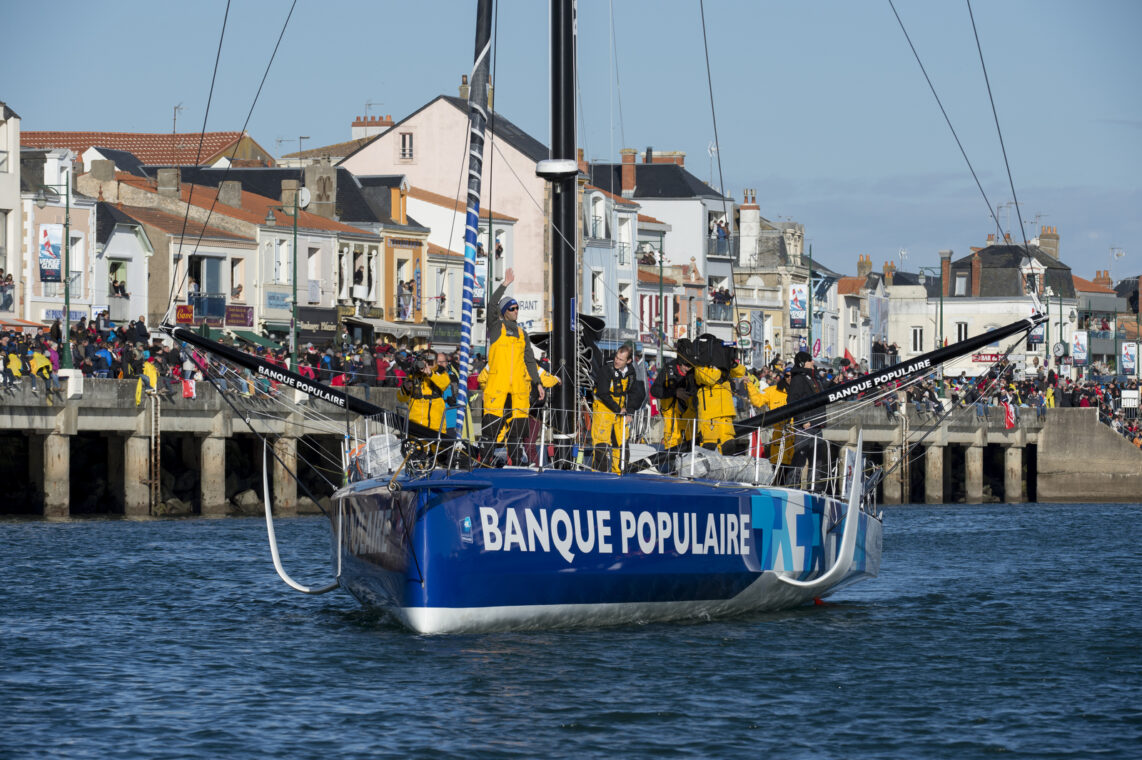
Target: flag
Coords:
[[756, 445], [850, 357], [1008, 415], [188, 388]]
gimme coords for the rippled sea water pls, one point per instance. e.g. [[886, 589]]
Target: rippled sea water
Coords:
[[994, 630]]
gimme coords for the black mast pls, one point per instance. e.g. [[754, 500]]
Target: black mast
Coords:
[[564, 230]]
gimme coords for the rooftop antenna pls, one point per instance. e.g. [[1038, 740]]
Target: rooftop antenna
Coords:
[[1116, 253], [369, 104], [712, 151], [174, 121], [903, 254]]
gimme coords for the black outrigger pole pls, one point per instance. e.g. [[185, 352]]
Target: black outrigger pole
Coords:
[[562, 172], [882, 378]]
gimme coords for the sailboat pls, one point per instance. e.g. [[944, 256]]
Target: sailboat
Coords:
[[446, 544]]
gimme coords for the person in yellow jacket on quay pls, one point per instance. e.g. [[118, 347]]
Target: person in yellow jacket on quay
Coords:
[[780, 442], [511, 372], [618, 393], [423, 391]]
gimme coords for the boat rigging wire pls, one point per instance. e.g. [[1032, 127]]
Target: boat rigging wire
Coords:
[[230, 161], [947, 119], [201, 139], [995, 114]]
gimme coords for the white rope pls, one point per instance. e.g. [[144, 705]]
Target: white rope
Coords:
[[273, 538]]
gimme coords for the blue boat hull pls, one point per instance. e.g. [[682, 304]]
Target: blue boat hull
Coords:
[[515, 548]]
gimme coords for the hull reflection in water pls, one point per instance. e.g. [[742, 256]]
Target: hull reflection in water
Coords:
[[516, 548]]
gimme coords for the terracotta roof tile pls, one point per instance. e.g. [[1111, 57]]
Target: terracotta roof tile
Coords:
[[1086, 286], [442, 200], [648, 276], [174, 224], [336, 150], [149, 147], [255, 208], [439, 250], [651, 219], [850, 286], [616, 198]]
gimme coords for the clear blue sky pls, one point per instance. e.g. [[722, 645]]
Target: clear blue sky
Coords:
[[820, 105]]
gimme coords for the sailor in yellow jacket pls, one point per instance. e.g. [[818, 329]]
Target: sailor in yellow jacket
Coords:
[[512, 371], [780, 441], [618, 394], [423, 391], [675, 389]]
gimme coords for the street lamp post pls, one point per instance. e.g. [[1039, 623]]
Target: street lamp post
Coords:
[[661, 315], [922, 279], [41, 201]]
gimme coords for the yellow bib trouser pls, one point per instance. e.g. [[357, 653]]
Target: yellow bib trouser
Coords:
[[608, 430]]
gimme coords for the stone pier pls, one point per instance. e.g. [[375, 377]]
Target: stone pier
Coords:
[[212, 477], [893, 482], [973, 474], [284, 483], [57, 475], [1013, 491], [934, 475], [136, 452]]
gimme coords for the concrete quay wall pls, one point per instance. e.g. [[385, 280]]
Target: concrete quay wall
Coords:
[[1083, 460], [1069, 457]]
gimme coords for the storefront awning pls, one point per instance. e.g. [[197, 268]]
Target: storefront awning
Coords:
[[395, 329], [252, 337], [277, 327], [19, 325]]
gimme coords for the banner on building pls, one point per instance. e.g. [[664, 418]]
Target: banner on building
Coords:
[[479, 292], [1079, 348], [798, 306], [1130, 358], [51, 247]]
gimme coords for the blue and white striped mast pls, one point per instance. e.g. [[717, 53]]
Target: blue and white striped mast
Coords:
[[477, 121]]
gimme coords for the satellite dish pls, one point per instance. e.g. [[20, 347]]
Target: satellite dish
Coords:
[[303, 197]]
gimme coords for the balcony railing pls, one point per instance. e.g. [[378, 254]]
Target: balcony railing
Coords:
[[118, 308], [726, 247], [623, 250], [598, 227], [208, 305]]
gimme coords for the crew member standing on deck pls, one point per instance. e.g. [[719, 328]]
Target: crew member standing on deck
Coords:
[[618, 392], [675, 389], [423, 391], [808, 447], [511, 373]]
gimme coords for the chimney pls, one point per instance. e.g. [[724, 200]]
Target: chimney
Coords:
[[373, 125], [169, 183], [945, 271], [1102, 277], [463, 87], [1049, 242], [864, 266], [648, 157], [103, 170], [321, 181], [583, 168], [889, 271], [976, 274], [628, 172], [289, 193], [230, 193]]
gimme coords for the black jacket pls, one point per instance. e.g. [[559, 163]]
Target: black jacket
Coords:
[[802, 384]]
